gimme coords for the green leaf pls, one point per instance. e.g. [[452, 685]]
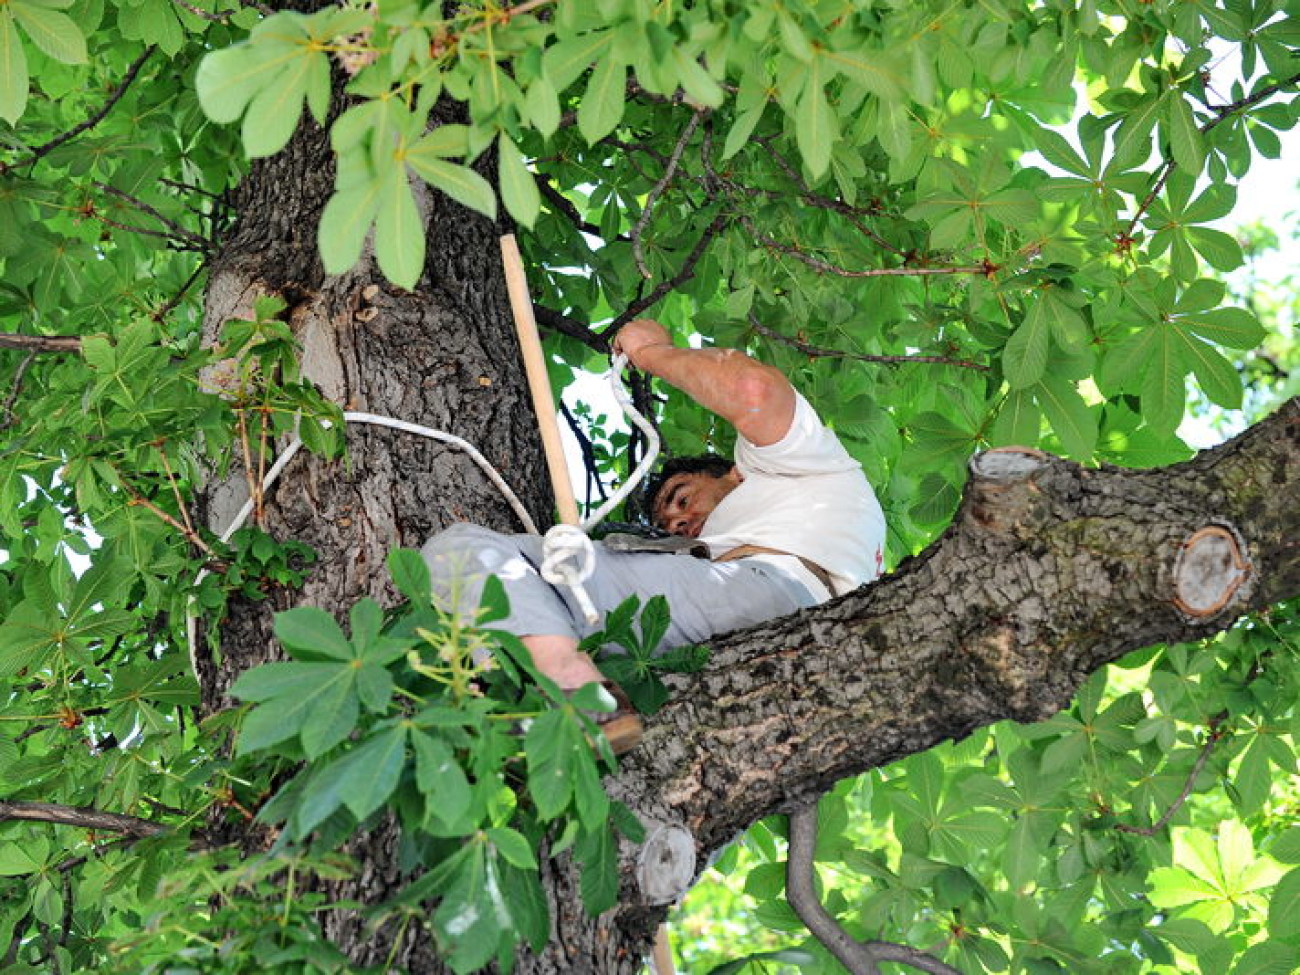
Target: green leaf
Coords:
[[399, 233], [274, 111], [13, 70], [1268, 958], [601, 107], [512, 845], [309, 633], [597, 851], [1233, 327], [1025, 358], [227, 80], [1184, 137], [816, 125], [518, 188], [1218, 377], [441, 779], [564, 61], [460, 183], [1284, 906], [411, 575], [697, 83], [543, 106], [344, 224], [1066, 411], [54, 33], [550, 747]]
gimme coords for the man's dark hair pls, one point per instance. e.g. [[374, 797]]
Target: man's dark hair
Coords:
[[711, 464]]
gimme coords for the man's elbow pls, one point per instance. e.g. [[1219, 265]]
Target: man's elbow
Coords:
[[760, 388]]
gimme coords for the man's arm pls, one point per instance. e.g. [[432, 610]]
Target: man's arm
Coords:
[[754, 398]]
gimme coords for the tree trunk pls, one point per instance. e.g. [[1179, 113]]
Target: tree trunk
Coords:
[[1049, 571]]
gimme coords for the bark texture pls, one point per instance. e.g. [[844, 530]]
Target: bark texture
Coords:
[[1049, 571]]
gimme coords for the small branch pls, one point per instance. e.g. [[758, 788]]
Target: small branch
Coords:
[[40, 343], [80, 816], [817, 352], [825, 267], [860, 958], [218, 17], [1216, 733], [177, 231], [176, 299], [588, 453], [564, 205], [686, 272], [1221, 114], [571, 327], [127, 80], [670, 171], [16, 385], [191, 536]]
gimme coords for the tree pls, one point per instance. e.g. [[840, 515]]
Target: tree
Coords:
[[843, 189]]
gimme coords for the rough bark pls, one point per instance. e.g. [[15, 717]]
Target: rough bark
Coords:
[[1049, 571]]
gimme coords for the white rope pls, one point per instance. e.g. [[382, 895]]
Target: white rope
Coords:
[[567, 553]]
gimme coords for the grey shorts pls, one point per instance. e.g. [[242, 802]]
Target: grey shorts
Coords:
[[704, 598]]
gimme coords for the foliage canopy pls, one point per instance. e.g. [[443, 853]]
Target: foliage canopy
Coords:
[[954, 224]]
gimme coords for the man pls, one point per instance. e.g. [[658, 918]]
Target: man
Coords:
[[791, 523]]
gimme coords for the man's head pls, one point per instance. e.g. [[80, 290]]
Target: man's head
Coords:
[[686, 490]]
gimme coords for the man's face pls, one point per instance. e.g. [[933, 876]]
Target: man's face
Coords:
[[686, 500]]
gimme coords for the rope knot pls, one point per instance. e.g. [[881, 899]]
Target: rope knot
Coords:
[[568, 558]]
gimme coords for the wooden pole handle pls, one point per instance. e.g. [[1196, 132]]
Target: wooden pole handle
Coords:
[[539, 383]]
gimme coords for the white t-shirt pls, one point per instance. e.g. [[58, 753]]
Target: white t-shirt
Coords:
[[804, 495]]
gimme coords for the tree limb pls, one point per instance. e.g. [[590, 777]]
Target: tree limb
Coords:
[[816, 352], [800, 891], [81, 816], [1049, 571], [127, 80]]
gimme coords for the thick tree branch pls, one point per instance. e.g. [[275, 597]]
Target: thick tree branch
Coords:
[[1049, 571], [820, 353], [80, 816], [127, 80]]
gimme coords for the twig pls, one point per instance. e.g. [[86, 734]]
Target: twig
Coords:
[[670, 171], [191, 536], [1216, 733], [218, 17], [1222, 114], [816, 352], [176, 229], [826, 267], [40, 343], [127, 80], [564, 205], [16, 385], [175, 299], [859, 957], [684, 274], [588, 453], [81, 816], [176, 491]]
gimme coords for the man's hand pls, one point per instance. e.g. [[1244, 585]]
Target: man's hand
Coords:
[[638, 334]]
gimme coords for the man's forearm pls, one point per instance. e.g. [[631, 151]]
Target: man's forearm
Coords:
[[755, 398]]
